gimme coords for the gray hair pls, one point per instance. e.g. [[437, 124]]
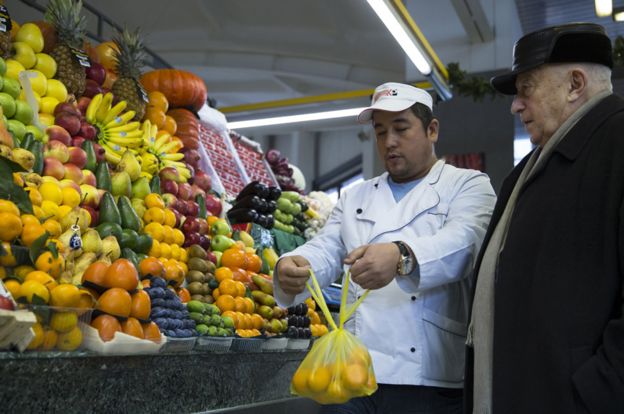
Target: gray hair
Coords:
[[599, 76]]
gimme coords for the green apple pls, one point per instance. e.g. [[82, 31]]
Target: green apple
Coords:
[[12, 87], [45, 64], [37, 133], [23, 112], [38, 81], [24, 54], [3, 66], [30, 34], [220, 227], [220, 243], [17, 128], [8, 104]]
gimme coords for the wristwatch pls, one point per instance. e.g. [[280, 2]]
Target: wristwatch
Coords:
[[406, 262]]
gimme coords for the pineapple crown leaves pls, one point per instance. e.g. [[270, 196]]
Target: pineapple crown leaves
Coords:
[[66, 17], [131, 55]]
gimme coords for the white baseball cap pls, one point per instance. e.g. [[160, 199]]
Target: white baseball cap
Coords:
[[395, 97]]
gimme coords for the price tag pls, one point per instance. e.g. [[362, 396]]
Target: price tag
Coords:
[[75, 242], [82, 57], [5, 19], [142, 92]]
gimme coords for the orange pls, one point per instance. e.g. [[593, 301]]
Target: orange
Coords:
[[354, 376], [241, 275], [154, 200], [254, 262], [257, 321], [107, 52], [225, 302], [122, 274], [223, 273], [50, 337], [184, 295], [250, 305], [63, 321], [319, 379], [158, 100], [240, 288], [239, 304], [39, 336], [234, 257], [8, 259], [106, 325], [30, 233], [232, 315], [10, 226], [151, 332], [151, 266], [65, 295], [216, 293], [115, 301], [300, 381], [156, 116], [95, 275], [32, 289], [173, 273], [46, 262], [29, 219], [170, 125], [13, 286], [53, 227], [132, 326], [228, 287], [141, 305]]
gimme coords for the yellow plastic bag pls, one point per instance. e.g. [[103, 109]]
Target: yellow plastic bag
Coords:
[[338, 367]]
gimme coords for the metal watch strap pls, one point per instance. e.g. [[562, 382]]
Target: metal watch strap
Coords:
[[405, 257]]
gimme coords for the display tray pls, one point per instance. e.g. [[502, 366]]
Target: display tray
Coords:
[[213, 343], [275, 344], [179, 344], [298, 344], [121, 344], [247, 344]]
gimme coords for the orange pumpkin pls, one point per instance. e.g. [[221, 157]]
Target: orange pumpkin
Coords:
[[181, 88], [187, 127]]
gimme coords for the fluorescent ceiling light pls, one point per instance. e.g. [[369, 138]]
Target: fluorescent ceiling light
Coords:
[[290, 119], [603, 8], [618, 14], [397, 28]]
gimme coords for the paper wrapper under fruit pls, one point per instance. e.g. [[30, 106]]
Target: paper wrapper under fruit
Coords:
[[338, 367]]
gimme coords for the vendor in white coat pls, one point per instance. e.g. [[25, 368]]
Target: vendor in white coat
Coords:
[[411, 234]]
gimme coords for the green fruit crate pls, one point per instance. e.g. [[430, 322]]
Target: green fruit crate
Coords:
[[275, 344], [247, 345], [179, 344], [214, 343]]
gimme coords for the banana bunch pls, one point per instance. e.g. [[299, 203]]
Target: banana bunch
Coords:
[[116, 131], [161, 152]]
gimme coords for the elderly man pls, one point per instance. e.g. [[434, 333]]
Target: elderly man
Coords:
[[547, 330]]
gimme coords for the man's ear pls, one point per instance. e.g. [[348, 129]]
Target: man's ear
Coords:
[[578, 84], [432, 130]]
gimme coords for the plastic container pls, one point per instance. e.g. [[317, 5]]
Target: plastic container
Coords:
[[179, 344], [298, 344], [214, 343], [275, 344], [121, 344], [247, 344], [64, 322]]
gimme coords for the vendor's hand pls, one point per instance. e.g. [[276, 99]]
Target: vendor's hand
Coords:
[[293, 273], [373, 266]]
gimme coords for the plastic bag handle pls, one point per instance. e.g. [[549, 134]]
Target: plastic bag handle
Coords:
[[320, 300]]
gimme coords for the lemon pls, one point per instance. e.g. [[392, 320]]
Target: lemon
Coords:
[[51, 192], [62, 211], [63, 322], [48, 103], [57, 90], [178, 237], [50, 208], [71, 197]]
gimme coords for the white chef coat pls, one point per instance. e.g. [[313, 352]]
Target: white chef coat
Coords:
[[415, 326]]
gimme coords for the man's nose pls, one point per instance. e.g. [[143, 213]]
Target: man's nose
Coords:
[[516, 105], [392, 139]]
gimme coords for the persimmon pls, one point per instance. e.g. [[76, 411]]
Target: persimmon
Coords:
[[95, 275], [151, 332], [141, 305], [106, 325], [132, 326], [122, 274], [184, 295], [150, 266], [115, 301]]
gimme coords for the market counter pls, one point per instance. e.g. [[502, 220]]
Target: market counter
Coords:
[[176, 383]]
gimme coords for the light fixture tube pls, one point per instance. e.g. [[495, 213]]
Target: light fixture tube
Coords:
[[290, 119], [618, 14], [604, 8], [397, 28]]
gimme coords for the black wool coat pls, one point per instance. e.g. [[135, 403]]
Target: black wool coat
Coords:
[[558, 322]]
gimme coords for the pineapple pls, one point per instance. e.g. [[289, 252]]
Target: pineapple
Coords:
[[130, 60], [5, 41], [69, 24]]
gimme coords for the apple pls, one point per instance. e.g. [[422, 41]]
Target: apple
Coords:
[[70, 122], [180, 207], [23, 112], [24, 54], [212, 256], [96, 73], [178, 216], [203, 226], [73, 172], [204, 241], [169, 174], [191, 239], [196, 191], [220, 227], [58, 133], [37, 133], [11, 87], [8, 104], [191, 157], [213, 205], [16, 128], [168, 186], [66, 107], [77, 156], [45, 64], [184, 191], [88, 178], [192, 208], [91, 88], [169, 199], [83, 104], [99, 152], [77, 141], [53, 167], [190, 225], [30, 34], [90, 196], [202, 180], [95, 216], [220, 243], [87, 130], [6, 303], [66, 182], [58, 150]]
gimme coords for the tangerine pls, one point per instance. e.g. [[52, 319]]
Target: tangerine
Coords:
[[87, 299], [225, 302], [234, 257], [31, 289], [132, 326], [319, 379], [7, 259], [30, 232], [10, 226], [95, 275], [228, 287], [158, 100], [13, 286], [216, 293], [46, 262], [151, 266], [29, 219], [156, 116], [63, 322], [223, 273], [38, 338], [122, 274], [151, 332], [106, 326], [171, 125], [52, 226], [141, 305], [65, 295], [254, 262], [7, 206], [50, 337], [299, 381], [69, 341], [115, 301], [336, 394], [354, 376]]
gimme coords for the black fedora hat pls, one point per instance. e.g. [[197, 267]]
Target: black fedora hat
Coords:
[[574, 42]]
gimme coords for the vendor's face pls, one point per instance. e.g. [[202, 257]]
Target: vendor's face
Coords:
[[404, 145], [541, 101]]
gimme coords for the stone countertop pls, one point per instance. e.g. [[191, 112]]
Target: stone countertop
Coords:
[[81, 382]]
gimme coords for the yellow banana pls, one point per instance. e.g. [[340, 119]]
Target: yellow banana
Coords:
[[176, 164], [173, 157], [167, 147], [161, 142], [115, 110], [121, 119], [311, 213], [104, 107], [93, 107], [130, 126], [112, 156], [128, 142], [137, 133]]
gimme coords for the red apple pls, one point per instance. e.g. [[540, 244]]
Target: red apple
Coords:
[[204, 241], [99, 152], [58, 150], [6, 303], [53, 168], [66, 182], [170, 174], [66, 107], [191, 239], [95, 216], [191, 157], [92, 88], [169, 199], [96, 72], [213, 205], [180, 206], [168, 186], [195, 191], [190, 225], [211, 256], [88, 178], [192, 208], [74, 173], [57, 133], [90, 196], [77, 141], [77, 156], [184, 191], [83, 104], [71, 122], [202, 180], [178, 216], [87, 130], [203, 226]]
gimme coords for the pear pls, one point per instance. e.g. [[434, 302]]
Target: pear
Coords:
[[24, 158], [78, 216], [139, 206], [65, 239], [246, 238], [91, 242], [110, 247], [121, 184], [131, 165], [141, 188]]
